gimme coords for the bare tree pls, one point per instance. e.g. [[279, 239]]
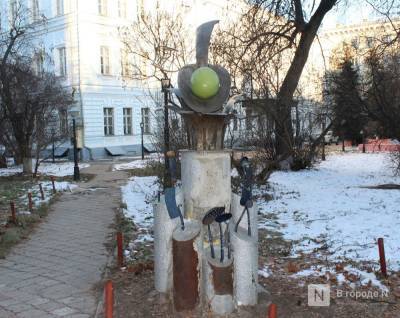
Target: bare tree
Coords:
[[157, 44], [272, 43], [29, 96]]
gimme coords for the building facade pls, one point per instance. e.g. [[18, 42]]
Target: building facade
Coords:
[[82, 40]]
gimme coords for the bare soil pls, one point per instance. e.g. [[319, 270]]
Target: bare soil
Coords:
[[135, 295]]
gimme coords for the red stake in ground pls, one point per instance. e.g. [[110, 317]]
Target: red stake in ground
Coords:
[[120, 249], [382, 258], [13, 213], [53, 184], [272, 311], [41, 191], [30, 203], [109, 299]]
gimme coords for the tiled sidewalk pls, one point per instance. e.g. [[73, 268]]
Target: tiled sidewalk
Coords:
[[53, 274]]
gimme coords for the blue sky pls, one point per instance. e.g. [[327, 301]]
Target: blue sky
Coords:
[[352, 13]]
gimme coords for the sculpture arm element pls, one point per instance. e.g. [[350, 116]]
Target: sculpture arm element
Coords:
[[203, 38]]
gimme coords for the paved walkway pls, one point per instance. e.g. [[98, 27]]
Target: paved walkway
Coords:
[[53, 274]]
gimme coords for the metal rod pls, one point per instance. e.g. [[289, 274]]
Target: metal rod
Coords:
[[228, 236], [142, 131], [120, 250], [76, 166], [382, 258], [221, 238], [210, 240], [182, 221], [240, 219], [248, 222]]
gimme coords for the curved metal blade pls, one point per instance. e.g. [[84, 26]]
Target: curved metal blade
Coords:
[[203, 37]]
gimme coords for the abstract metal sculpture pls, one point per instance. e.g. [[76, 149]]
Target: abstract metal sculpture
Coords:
[[246, 198], [209, 218], [203, 89], [222, 219], [173, 209]]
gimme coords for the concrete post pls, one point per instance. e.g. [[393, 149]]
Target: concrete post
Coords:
[[163, 228], [218, 283], [245, 267], [206, 181]]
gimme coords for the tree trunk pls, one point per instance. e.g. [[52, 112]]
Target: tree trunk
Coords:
[[26, 157], [27, 165], [284, 129]]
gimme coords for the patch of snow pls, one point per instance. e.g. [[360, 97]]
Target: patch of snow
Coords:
[[264, 272], [58, 169], [136, 164], [234, 173], [364, 278], [325, 208], [138, 195]]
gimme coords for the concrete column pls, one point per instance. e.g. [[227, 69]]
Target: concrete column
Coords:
[[206, 181], [218, 281], [245, 268], [163, 228]]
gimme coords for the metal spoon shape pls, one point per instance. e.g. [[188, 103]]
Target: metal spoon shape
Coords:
[[222, 219], [207, 220]]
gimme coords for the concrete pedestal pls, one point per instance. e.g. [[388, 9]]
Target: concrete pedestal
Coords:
[[163, 228], [218, 282], [245, 268], [206, 181]]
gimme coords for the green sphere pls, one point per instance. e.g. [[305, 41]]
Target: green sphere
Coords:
[[205, 82]]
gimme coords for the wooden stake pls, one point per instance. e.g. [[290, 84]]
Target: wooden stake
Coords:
[[382, 258], [13, 213], [41, 191], [53, 184], [272, 311], [109, 299], [120, 251], [30, 203]]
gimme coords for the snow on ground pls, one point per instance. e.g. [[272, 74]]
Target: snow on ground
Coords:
[[326, 207], [137, 163], [138, 195], [58, 169], [61, 186], [363, 278]]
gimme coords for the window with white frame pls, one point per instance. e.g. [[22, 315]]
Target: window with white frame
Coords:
[[62, 62], [102, 7], [35, 10], [122, 9], [105, 60], [146, 120], [127, 121], [60, 7], [124, 63], [38, 61], [108, 121], [63, 118]]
